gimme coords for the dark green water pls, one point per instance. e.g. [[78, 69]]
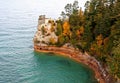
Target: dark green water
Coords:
[[19, 63]]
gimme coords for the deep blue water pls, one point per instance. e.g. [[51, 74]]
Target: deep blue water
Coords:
[[18, 61]]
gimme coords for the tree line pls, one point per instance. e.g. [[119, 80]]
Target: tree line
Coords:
[[95, 30]]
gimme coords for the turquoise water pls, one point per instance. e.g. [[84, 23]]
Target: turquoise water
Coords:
[[19, 63]]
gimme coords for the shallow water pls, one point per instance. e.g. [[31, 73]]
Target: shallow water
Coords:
[[19, 63]]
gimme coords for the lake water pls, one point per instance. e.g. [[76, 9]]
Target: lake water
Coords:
[[18, 61]]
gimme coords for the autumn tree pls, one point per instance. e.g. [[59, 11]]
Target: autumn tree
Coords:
[[66, 30]]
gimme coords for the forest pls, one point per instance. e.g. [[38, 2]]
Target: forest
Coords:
[[96, 30]]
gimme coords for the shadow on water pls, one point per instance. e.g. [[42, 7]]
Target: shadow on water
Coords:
[[50, 54], [37, 53], [64, 62], [61, 60]]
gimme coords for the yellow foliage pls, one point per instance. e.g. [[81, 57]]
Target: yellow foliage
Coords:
[[66, 25], [99, 40], [95, 49], [52, 40], [80, 31], [66, 28]]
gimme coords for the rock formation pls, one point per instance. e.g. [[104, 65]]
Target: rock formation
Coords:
[[45, 33]]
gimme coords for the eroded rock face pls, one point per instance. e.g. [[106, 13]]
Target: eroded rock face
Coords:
[[45, 33]]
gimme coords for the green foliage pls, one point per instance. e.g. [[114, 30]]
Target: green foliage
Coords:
[[74, 20], [61, 40], [63, 15], [114, 65], [116, 47], [100, 17], [70, 9], [59, 29]]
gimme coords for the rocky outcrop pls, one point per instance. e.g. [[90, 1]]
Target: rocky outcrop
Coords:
[[45, 33]]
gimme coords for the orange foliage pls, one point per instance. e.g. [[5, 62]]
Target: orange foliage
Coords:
[[66, 28], [78, 32]]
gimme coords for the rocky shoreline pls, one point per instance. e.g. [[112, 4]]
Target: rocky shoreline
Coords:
[[100, 73]]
